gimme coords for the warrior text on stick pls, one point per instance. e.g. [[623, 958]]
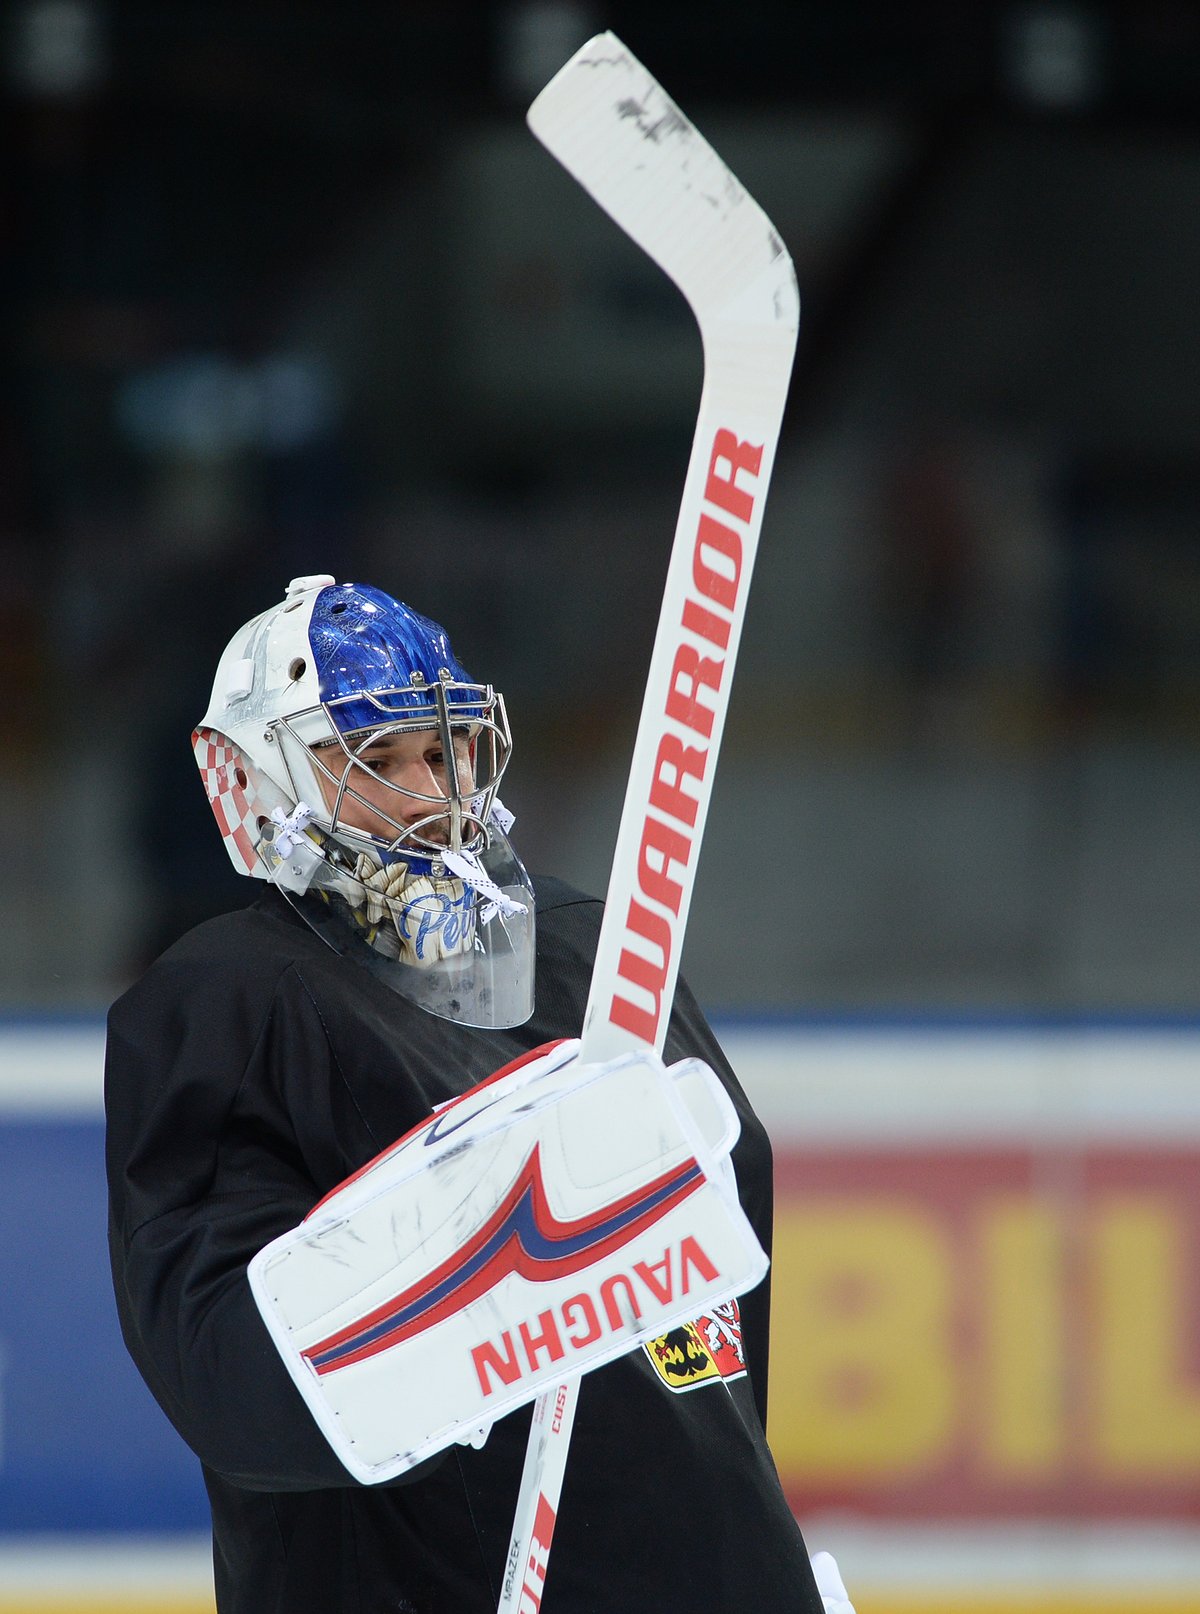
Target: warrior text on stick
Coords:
[[717, 576]]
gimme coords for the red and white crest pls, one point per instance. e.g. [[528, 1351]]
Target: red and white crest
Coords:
[[236, 794], [707, 1350]]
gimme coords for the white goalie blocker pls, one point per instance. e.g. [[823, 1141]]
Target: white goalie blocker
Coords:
[[548, 1221]]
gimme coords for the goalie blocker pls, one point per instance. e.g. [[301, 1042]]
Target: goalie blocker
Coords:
[[553, 1218]]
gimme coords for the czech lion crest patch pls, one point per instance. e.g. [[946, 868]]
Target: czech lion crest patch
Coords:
[[701, 1352]]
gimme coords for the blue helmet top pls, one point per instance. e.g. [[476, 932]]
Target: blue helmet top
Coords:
[[365, 642]]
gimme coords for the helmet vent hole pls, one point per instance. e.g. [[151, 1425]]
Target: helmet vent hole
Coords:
[[240, 775], [297, 668], [336, 610]]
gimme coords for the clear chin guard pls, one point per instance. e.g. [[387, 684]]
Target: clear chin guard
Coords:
[[455, 938]]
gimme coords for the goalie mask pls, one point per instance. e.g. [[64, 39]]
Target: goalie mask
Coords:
[[349, 759]]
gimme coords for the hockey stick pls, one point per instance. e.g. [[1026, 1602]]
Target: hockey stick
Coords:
[[615, 130]]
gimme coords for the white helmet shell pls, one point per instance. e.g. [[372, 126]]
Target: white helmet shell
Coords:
[[266, 671]]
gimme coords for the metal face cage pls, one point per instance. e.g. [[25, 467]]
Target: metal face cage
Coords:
[[448, 708]]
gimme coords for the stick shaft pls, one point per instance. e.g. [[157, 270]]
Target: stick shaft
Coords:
[[611, 125]]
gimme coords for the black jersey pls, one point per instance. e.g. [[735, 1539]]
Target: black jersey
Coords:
[[250, 1071]]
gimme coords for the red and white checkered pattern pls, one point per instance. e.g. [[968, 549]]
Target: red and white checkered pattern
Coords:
[[227, 783]]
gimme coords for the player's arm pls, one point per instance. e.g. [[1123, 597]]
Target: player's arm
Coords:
[[691, 1033], [204, 1169]]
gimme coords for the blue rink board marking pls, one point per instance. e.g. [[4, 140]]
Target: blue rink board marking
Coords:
[[83, 1446]]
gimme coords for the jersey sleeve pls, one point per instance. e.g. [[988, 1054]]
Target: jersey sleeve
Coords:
[[205, 1167], [572, 920], [690, 1033]]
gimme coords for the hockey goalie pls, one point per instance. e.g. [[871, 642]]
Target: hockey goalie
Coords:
[[399, 1203]]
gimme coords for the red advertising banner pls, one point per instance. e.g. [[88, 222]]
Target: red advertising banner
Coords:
[[965, 1333]]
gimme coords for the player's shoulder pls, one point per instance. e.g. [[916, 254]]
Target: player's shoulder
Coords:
[[568, 921], [234, 956], [556, 896], [265, 932]]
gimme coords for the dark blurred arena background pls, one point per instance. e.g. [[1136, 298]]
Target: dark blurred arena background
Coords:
[[289, 288]]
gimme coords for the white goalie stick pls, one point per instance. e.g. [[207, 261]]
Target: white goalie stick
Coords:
[[615, 130]]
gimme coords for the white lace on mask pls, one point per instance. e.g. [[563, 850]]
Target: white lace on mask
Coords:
[[290, 828], [470, 871]]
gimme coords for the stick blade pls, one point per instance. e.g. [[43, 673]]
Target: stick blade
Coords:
[[618, 133]]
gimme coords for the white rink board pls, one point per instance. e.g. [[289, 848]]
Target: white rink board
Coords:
[[851, 1083], [823, 1081], [52, 1069], [840, 1084], [78, 1566]]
